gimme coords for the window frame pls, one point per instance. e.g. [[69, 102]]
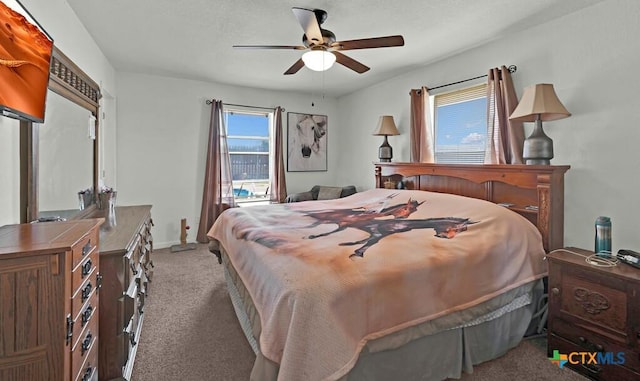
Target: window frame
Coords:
[[465, 94], [252, 184]]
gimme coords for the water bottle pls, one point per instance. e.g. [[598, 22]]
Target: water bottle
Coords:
[[603, 237]]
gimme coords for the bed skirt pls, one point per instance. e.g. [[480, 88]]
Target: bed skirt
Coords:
[[435, 350]]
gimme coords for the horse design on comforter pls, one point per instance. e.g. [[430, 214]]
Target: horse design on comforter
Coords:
[[385, 222], [377, 219]]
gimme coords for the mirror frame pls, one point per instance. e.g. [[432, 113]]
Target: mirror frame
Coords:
[[69, 81]]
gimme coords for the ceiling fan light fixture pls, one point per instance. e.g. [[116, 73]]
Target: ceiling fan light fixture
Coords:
[[318, 60]]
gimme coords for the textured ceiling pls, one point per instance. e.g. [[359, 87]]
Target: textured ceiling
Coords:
[[193, 39]]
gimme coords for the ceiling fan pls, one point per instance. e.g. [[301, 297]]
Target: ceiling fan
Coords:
[[323, 49]]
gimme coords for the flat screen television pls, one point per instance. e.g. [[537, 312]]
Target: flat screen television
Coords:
[[25, 58]]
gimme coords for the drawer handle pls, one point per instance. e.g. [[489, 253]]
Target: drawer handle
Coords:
[[589, 345], [86, 343], [132, 339], [593, 369], [86, 315], [141, 304], [86, 268], [133, 268], [86, 248], [86, 291], [555, 291], [69, 329], [87, 373]]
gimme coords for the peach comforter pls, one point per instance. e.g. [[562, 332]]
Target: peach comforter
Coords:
[[327, 276]]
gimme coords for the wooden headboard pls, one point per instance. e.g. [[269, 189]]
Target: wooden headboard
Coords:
[[534, 191]]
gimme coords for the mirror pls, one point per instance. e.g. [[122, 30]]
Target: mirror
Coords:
[[49, 185], [66, 156]]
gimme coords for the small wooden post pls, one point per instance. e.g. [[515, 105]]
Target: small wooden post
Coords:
[[183, 231], [183, 238]]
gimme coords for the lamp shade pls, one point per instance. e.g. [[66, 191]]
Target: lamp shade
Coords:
[[318, 60], [539, 100], [386, 126]]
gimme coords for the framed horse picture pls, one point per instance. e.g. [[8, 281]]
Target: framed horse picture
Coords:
[[306, 142]]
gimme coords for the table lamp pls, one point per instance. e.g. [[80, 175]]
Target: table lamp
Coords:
[[386, 127], [539, 102]]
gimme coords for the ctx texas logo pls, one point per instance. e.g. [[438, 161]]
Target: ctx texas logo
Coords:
[[587, 358]]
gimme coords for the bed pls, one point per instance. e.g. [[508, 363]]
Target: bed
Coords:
[[416, 283]]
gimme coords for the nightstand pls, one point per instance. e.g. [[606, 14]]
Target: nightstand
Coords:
[[594, 309]]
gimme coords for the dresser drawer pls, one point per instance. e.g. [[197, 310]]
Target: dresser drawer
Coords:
[[83, 293], [130, 264], [131, 332], [85, 368], [600, 372], [85, 247], [590, 342], [85, 269], [87, 315], [85, 346], [148, 238], [130, 301]]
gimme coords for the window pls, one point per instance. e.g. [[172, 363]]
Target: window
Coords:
[[460, 125], [249, 143]]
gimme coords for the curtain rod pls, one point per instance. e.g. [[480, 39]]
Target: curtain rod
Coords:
[[237, 105], [511, 68]]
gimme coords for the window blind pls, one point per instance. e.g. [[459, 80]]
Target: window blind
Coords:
[[461, 125]]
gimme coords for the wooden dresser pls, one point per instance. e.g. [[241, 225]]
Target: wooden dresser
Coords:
[[49, 301], [125, 259], [594, 309]]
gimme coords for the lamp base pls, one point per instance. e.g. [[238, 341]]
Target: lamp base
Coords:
[[385, 152], [537, 162], [538, 147]]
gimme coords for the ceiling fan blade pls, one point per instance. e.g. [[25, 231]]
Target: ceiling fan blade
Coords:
[[350, 63], [287, 47], [295, 67], [368, 43], [309, 23]]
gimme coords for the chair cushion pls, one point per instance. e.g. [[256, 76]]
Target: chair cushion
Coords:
[[348, 190], [329, 193], [297, 197]]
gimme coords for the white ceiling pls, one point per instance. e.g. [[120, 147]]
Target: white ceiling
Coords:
[[193, 39]]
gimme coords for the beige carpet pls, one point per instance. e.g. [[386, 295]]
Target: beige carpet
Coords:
[[190, 331]]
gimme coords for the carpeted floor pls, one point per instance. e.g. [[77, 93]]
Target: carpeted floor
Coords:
[[190, 331]]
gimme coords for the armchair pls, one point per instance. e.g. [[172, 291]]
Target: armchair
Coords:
[[320, 192]]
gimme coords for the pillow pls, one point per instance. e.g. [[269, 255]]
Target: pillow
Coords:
[[329, 193]]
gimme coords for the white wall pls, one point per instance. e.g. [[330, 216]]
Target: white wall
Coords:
[[57, 18], [9, 171], [163, 126], [591, 57]]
